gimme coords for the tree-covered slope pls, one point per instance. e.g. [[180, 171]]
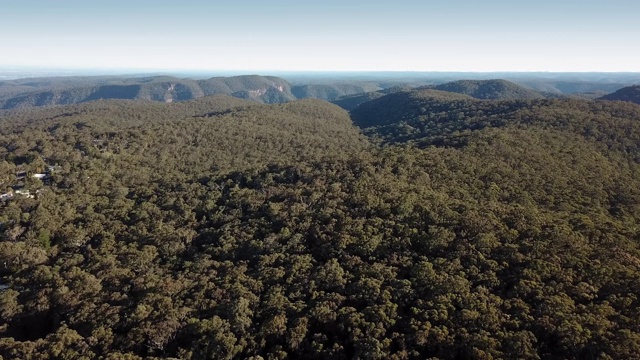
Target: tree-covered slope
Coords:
[[395, 107], [490, 89], [434, 118], [221, 228], [630, 93], [350, 102], [331, 91], [236, 131]]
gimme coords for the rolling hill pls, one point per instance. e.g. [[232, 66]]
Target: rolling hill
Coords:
[[490, 89], [430, 116], [570, 87], [630, 93]]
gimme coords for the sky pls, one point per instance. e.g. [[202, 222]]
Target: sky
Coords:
[[302, 35]]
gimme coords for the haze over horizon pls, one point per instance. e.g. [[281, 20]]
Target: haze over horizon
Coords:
[[459, 35]]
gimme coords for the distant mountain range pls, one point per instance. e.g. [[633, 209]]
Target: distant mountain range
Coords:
[[70, 90], [46, 92], [583, 89], [36, 92]]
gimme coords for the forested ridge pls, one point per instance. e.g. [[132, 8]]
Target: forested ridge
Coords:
[[347, 92], [25, 93], [495, 89], [629, 93], [441, 227]]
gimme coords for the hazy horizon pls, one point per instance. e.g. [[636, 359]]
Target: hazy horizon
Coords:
[[332, 36], [16, 73]]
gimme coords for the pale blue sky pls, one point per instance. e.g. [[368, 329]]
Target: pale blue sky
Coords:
[[443, 35]]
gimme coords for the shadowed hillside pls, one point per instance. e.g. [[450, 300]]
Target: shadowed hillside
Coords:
[[331, 91], [440, 118], [630, 93], [350, 102]]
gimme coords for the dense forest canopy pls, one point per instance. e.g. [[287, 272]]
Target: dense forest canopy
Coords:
[[439, 226]]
